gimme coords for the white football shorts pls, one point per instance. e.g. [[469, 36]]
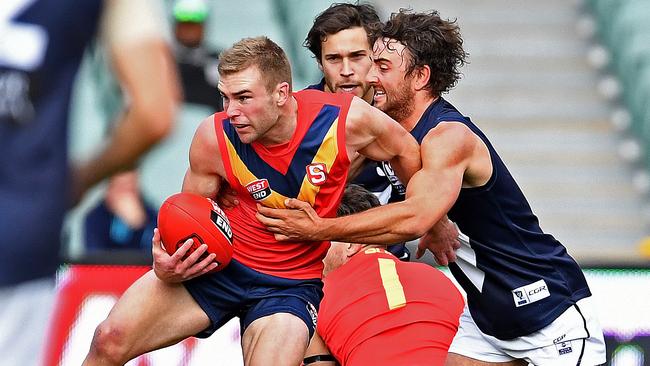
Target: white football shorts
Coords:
[[574, 338]]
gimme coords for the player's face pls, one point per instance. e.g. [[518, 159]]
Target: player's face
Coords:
[[345, 59], [248, 104], [336, 257], [394, 94]]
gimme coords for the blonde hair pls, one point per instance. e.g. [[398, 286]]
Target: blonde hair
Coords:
[[261, 52]]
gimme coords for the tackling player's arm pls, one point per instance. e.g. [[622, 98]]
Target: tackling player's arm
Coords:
[[203, 177], [373, 134], [443, 235], [452, 157]]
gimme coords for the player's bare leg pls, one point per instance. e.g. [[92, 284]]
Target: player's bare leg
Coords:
[[151, 314], [275, 340], [454, 359]]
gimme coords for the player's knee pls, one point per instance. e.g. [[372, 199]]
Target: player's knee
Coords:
[[110, 344]]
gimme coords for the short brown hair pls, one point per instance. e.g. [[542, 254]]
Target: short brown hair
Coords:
[[260, 52], [356, 199], [338, 17], [431, 41]]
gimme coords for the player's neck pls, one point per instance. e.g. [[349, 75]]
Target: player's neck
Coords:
[[422, 101], [284, 128]]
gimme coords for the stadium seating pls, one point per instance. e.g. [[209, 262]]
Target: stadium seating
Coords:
[[285, 22], [624, 29]]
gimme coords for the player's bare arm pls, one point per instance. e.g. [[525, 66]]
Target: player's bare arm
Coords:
[[371, 133], [477, 170], [203, 177], [206, 171], [146, 73], [452, 156]]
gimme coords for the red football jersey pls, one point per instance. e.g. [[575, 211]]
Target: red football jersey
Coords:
[[378, 310], [312, 166]]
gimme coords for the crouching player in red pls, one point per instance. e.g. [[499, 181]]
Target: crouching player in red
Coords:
[[376, 309]]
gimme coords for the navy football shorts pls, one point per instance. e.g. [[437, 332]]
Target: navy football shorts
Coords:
[[240, 291]]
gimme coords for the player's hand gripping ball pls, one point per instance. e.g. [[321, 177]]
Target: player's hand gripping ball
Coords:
[[189, 216]]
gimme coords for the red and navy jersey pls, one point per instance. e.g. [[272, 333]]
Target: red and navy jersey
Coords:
[[312, 167], [375, 296], [376, 176]]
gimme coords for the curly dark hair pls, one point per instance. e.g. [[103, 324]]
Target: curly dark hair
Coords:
[[338, 17], [430, 41]]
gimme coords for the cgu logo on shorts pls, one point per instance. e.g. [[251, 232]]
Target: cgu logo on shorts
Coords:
[[564, 348], [528, 294], [259, 189], [316, 173]]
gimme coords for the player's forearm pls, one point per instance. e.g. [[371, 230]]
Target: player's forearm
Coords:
[[134, 135], [148, 78], [381, 225]]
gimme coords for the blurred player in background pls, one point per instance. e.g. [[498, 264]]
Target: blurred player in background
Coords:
[[528, 300], [377, 310], [122, 220], [125, 219], [42, 42], [269, 144], [197, 64], [341, 40]]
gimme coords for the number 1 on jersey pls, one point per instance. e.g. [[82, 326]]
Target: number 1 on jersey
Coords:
[[392, 285]]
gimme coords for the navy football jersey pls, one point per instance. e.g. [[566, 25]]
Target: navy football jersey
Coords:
[[41, 45], [518, 279], [320, 86]]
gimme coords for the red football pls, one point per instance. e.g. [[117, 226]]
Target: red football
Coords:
[[187, 215]]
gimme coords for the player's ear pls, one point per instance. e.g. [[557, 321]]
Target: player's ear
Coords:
[[282, 93], [421, 74]]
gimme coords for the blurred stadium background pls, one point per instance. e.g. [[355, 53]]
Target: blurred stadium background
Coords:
[[561, 87]]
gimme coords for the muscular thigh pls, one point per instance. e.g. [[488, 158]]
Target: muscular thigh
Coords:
[[278, 328], [152, 313], [279, 339]]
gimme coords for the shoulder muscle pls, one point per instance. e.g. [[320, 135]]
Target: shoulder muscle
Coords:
[[206, 165], [453, 146]]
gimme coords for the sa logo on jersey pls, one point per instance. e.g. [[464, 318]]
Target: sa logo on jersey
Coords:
[[317, 173], [259, 189]]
